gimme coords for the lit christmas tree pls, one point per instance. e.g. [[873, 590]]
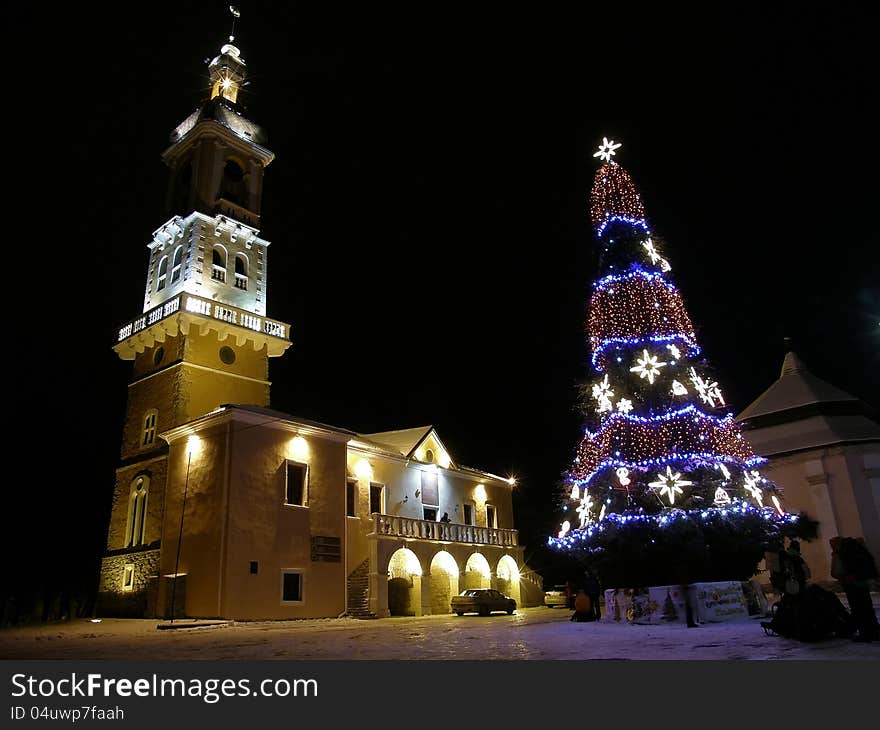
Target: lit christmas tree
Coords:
[[664, 487]]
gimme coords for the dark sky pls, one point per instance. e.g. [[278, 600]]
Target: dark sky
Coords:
[[427, 215]]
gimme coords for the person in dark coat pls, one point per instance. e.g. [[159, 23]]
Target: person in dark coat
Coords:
[[592, 589], [854, 567], [583, 608]]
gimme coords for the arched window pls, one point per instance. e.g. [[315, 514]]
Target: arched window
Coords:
[[232, 185], [148, 435], [137, 511], [163, 273], [218, 264], [241, 269], [176, 264]]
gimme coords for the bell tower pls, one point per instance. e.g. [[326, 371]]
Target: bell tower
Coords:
[[203, 338]]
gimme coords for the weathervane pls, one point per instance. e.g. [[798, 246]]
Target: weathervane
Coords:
[[606, 149], [236, 13]]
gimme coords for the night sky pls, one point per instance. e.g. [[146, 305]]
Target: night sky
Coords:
[[428, 220]]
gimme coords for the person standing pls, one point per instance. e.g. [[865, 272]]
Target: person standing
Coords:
[[797, 568], [854, 567], [592, 589]]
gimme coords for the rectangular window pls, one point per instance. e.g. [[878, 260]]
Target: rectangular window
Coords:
[[149, 429], [291, 587], [128, 577], [490, 516], [468, 514], [430, 493], [255, 567], [377, 494], [430, 513], [350, 498], [297, 491]]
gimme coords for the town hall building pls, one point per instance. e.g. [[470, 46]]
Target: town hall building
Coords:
[[225, 508]]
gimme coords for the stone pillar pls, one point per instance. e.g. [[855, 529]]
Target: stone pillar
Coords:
[[493, 580], [378, 582], [425, 608]]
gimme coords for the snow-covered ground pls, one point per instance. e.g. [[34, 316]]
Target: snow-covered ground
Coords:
[[532, 633]]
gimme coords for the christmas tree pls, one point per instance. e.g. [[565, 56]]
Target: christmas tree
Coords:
[[664, 487]]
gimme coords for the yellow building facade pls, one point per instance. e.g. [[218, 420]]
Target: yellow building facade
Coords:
[[224, 508]]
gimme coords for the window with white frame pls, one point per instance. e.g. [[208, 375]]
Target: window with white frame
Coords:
[[241, 271], [136, 521], [468, 513], [291, 586], [176, 264], [218, 263], [377, 498], [163, 274], [351, 491], [148, 434], [491, 516], [296, 491], [128, 577]]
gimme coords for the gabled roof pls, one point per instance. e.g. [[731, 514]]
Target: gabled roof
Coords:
[[796, 388], [800, 411], [403, 440]]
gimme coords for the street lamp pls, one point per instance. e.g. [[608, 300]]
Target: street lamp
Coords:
[[192, 445]]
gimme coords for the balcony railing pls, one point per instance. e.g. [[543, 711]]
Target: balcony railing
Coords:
[[391, 526], [206, 308]]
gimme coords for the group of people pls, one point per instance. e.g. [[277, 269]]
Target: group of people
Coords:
[[809, 611]]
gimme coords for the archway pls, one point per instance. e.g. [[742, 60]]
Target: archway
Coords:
[[404, 583], [444, 582], [477, 573], [507, 575]]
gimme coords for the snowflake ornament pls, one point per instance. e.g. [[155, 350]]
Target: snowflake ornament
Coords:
[[602, 389], [709, 391], [607, 149], [584, 509], [670, 484], [751, 483], [648, 245], [722, 498], [648, 367], [604, 405], [624, 405]]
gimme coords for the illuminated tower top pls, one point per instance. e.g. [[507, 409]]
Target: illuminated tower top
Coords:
[[208, 258]]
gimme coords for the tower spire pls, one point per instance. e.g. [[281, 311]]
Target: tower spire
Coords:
[[236, 13]]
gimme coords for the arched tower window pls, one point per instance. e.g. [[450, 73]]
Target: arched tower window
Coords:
[[148, 435], [232, 184], [241, 271], [163, 273], [137, 511], [176, 264], [218, 264], [182, 187]]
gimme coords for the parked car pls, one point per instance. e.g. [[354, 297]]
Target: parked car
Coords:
[[482, 601], [555, 597]]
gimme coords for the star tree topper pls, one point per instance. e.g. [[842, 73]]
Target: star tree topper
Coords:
[[606, 150]]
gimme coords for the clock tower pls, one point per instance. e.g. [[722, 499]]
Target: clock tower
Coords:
[[204, 337]]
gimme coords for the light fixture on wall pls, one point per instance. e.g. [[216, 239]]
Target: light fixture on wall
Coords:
[[416, 495]]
